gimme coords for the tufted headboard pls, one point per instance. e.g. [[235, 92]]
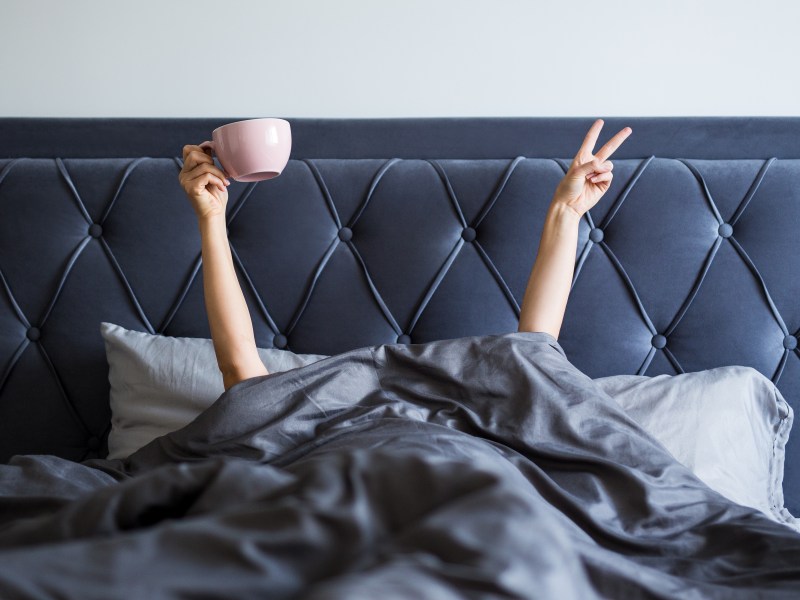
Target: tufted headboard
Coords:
[[398, 230]]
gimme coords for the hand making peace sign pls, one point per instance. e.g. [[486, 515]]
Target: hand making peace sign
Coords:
[[589, 175]]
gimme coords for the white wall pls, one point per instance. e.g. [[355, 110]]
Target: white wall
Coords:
[[373, 58]]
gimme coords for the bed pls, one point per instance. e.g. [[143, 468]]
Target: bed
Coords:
[[399, 248]]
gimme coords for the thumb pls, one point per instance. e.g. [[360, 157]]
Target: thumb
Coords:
[[593, 166]]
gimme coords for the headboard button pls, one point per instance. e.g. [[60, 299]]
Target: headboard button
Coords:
[[469, 234], [404, 339], [33, 334], [95, 230], [659, 341], [596, 235], [280, 341], [790, 342], [725, 230], [345, 234]]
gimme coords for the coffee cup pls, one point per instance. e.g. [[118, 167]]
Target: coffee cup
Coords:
[[252, 150]]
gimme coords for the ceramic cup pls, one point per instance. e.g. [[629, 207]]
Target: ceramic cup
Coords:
[[252, 150]]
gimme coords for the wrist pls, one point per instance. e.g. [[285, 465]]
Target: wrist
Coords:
[[209, 222], [563, 213]]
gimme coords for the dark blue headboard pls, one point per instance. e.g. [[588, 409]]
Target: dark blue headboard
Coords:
[[382, 231]]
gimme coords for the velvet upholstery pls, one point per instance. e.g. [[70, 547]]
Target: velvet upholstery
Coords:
[[386, 231]]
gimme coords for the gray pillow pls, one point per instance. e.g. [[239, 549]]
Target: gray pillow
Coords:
[[160, 383], [728, 425]]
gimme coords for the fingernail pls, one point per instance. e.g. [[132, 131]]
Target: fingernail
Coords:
[[227, 182]]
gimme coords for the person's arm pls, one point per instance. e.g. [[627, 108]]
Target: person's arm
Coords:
[[228, 316], [588, 178]]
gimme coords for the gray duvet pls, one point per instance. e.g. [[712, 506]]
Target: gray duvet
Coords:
[[484, 467]]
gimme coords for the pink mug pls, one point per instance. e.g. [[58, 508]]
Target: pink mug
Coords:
[[252, 150]]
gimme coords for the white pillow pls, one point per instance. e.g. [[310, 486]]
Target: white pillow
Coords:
[[160, 383], [729, 425]]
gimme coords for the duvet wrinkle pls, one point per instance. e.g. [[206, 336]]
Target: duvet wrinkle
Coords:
[[122, 507], [467, 468]]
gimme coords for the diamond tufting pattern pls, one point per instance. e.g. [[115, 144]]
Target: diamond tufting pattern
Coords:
[[682, 266]]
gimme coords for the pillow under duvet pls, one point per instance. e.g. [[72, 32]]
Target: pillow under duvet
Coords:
[[729, 425]]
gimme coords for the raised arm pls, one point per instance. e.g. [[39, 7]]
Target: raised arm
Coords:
[[588, 178], [228, 317]]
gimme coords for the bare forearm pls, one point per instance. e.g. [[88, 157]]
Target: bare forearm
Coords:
[[546, 295], [228, 316], [587, 179]]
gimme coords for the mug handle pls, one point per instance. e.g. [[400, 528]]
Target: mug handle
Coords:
[[213, 146]]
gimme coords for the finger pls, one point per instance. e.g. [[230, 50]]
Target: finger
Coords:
[[196, 157], [203, 156], [189, 148], [593, 166], [611, 145], [216, 182], [601, 177], [198, 184], [190, 184], [591, 139], [206, 168]]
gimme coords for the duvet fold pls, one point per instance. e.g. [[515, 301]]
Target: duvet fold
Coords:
[[483, 467]]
